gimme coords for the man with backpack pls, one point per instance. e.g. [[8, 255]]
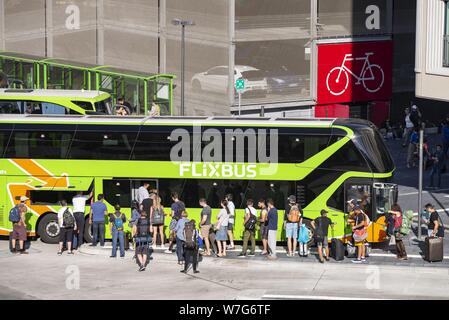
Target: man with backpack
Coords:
[[67, 224], [117, 221], [321, 227], [249, 223], [19, 232], [177, 208], [141, 233], [190, 246], [180, 237], [292, 219]]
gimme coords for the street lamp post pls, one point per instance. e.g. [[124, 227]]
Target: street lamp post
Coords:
[[183, 24]]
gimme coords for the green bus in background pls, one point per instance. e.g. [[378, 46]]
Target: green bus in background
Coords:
[[323, 162]]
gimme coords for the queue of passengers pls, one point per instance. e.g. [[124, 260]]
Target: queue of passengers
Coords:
[[148, 219]]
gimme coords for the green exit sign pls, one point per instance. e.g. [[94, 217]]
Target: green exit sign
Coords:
[[240, 84]]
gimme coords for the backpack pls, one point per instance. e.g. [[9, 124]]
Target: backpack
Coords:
[[14, 214], [303, 236], [118, 222], [143, 227], [158, 216], [406, 224], [191, 241], [67, 219], [250, 225], [294, 214]]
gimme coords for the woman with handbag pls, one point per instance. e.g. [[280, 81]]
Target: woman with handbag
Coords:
[[396, 213], [222, 228], [359, 234]]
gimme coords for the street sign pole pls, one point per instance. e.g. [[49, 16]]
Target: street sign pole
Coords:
[[240, 103], [421, 164]]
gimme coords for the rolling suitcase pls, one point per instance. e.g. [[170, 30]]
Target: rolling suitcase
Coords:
[[337, 249], [433, 249]]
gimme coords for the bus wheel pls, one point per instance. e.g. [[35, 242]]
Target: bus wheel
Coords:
[[88, 236], [48, 228]]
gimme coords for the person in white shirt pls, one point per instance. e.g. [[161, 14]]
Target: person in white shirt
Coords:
[[142, 193], [67, 224], [221, 235], [79, 207], [231, 222], [250, 231]]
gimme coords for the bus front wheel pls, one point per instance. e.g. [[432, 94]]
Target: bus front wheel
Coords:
[[48, 229], [88, 236]]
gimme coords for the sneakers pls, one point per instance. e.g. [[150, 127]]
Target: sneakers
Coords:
[[59, 253], [272, 257], [70, 252], [162, 246], [183, 271], [196, 271], [112, 256], [168, 251], [357, 261], [23, 252], [230, 247], [251, 254], [142, 268], [242, 255]]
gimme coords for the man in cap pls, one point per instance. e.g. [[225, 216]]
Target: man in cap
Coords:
[[321, 227]]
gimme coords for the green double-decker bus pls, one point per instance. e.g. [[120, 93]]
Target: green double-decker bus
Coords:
[[323, 162]]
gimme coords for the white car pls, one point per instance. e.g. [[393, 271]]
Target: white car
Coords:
[[216, 79]]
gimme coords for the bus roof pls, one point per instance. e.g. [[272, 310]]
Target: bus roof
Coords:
[[89, 94], [141, 120]]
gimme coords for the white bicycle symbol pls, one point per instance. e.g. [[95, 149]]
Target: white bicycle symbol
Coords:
[[372, 76]]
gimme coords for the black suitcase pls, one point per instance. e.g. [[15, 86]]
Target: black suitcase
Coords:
[[434, 249], [26, 244], [337, 249]]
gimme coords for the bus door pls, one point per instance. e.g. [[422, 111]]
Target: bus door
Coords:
[[385, 195], [360, 190], [137, 183]]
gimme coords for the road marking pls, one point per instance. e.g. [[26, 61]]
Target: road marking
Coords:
[[312, 297], [373, 254], [416, 192]]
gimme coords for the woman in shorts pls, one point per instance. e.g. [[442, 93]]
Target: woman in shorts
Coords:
[[222, 228]]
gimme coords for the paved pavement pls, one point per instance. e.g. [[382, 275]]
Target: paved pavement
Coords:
[[44, 275]]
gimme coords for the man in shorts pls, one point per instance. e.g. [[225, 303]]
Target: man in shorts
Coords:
[[19, 232], [263, 219], [321, 227], [205, 224]]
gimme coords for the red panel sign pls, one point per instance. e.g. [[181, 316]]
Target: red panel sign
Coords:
[[354, 72]]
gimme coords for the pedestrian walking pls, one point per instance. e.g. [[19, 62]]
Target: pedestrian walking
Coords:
[[263, 221], [157, 221], [412, 147], [190, 246], [141, 233], [79, 208], [17, 216], [180, 236], [435, 225], [397, 215], [249, 224], [177, 208], [205, 224], [231, 221], [222, 228], [321, 227], [360, 233], [408, 128], [292, 219], [98, 211], [437, 166], [272, 229], [117, 221], [67, 224]]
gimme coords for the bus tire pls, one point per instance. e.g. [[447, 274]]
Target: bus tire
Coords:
[[88, 237], [48, 228]]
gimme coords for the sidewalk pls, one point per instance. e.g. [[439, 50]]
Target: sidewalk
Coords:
[[376, 257]]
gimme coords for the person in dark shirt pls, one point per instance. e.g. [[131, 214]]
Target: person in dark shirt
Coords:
[[272, 229], [177, 208], [437, 166], [321, 227], [435, 226]]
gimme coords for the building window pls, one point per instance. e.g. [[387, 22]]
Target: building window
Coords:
[[446, 36]]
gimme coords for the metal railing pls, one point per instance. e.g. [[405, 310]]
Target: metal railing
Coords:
[[446, 51]]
